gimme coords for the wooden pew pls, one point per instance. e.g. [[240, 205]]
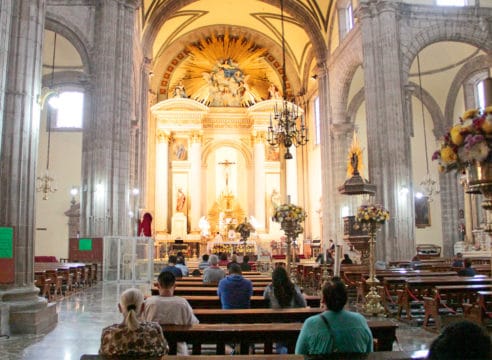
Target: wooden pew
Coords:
[[250, 277], [380, 355], [417, 288], [481, 310], [384, 331], [201, 283], [213, 302], [203, 290], [253, 333], [450, 297]]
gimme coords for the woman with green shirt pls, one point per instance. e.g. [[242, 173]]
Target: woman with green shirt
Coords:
[[335, 330]]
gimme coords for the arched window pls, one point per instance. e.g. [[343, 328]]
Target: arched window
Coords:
[[67, 113], [451, 2]]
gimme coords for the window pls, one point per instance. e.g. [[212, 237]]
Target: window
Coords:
[[345, 17], [481, 95], [317, 122], [451, 2], [68, 112]]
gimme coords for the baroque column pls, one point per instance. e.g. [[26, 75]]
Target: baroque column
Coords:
[[106, 142], [22, 25], [196, 177], [161, 181], [259, 178], [388, 136]]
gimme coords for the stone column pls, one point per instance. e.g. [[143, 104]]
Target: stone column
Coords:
[[291, 176], [328, 222], [22, 23], [106, 144], [161, 181], [388, 135], [259, 178], [195, 180]]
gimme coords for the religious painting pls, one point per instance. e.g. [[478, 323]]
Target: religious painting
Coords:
[[272, 153], [180, 150], [422, 212]]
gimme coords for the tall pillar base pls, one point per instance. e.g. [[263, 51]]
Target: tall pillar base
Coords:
[[27, 312]]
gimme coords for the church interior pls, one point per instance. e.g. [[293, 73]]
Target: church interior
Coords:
[[136, 129]]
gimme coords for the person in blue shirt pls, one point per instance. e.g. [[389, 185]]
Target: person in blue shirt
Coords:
[[234, 290], [467, 270], [336, 329], [171, 267]]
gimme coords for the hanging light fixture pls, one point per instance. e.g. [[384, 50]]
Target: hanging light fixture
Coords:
[[428, 184], [46, 182], [284, 128]]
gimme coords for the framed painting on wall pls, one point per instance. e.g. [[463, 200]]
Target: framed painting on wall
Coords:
[[180, 150], [422, 212]]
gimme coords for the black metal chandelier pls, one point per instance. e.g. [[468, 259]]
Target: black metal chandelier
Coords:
[[287, 127]]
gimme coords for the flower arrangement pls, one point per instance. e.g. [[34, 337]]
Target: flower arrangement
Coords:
[[372, 214], [290, 213], [468, 141], [222, 248], [245, 228]]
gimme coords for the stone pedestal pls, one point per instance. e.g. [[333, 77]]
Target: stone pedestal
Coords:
[[179, 225], [26, 312]]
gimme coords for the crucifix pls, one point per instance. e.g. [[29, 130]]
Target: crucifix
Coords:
[[226, 163]]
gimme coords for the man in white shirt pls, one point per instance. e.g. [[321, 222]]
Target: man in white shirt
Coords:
[[166, 308]]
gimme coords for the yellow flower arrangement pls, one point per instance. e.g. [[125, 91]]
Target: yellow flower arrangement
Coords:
[[468, 141], [290, 214], [372, 213]]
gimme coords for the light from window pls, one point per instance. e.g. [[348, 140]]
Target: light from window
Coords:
[[481, 94], [349, 18], [70, 110], [451, 2], [317, 121]]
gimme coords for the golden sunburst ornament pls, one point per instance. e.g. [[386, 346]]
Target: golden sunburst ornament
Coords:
[[354, 160], [222, 70]]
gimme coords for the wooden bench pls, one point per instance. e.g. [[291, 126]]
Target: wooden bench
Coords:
[[214, 284], [416, 288], [213, 301], [449, 297], [202, 290], [380, 355], [481, 310], [383, 331]]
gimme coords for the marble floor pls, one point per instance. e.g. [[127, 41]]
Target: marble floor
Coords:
[[81, 317]]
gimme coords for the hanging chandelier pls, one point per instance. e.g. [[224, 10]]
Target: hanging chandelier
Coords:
[[428, 185], [287, 127], [46, 183]]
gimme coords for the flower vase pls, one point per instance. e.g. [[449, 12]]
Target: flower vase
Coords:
[[373, 300], [289, 228]]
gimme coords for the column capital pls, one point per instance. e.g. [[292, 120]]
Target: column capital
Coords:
[[342, 128], [258, 137], [163, 136], [196, 137]]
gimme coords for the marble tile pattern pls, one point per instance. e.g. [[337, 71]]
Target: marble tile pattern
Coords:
[[83, 315]]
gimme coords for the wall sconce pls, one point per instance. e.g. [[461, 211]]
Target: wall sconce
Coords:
[[73, 191], [99, 189], [403, 191]]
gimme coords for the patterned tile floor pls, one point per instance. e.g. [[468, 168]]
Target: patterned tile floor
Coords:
[[81, 317]]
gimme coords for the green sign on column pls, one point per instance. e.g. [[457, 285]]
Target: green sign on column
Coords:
[[6, 242], [85, 244]]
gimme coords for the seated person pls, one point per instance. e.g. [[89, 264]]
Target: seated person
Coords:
[[328, 258], [171, 267], [233, 261], [166, 308], [462, 340], [458, 261], [346, 259], [133, 338], [234, 290], [223, 259], [180, 264], [336, 329], [467, 270], [245, 266], [213, 274], [415, 261], [204, 263]]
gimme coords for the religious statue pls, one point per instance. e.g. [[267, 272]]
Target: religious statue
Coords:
[[180, 201], [273, 93], [180, 91], [275, 199], [144, 226]]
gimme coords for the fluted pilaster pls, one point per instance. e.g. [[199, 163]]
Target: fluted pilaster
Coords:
[[161, 181], [259, 178], [196, 178]]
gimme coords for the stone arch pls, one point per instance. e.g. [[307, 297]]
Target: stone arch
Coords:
[[243, 148], [432, 107], [355, 104], [293, 7], [342, 75], [478, 64], [73, 34], [468, 32]]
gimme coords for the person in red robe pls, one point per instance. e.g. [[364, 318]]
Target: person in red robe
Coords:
[[145, 225]]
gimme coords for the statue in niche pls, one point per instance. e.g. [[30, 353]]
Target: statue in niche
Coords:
[[180, 201]]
